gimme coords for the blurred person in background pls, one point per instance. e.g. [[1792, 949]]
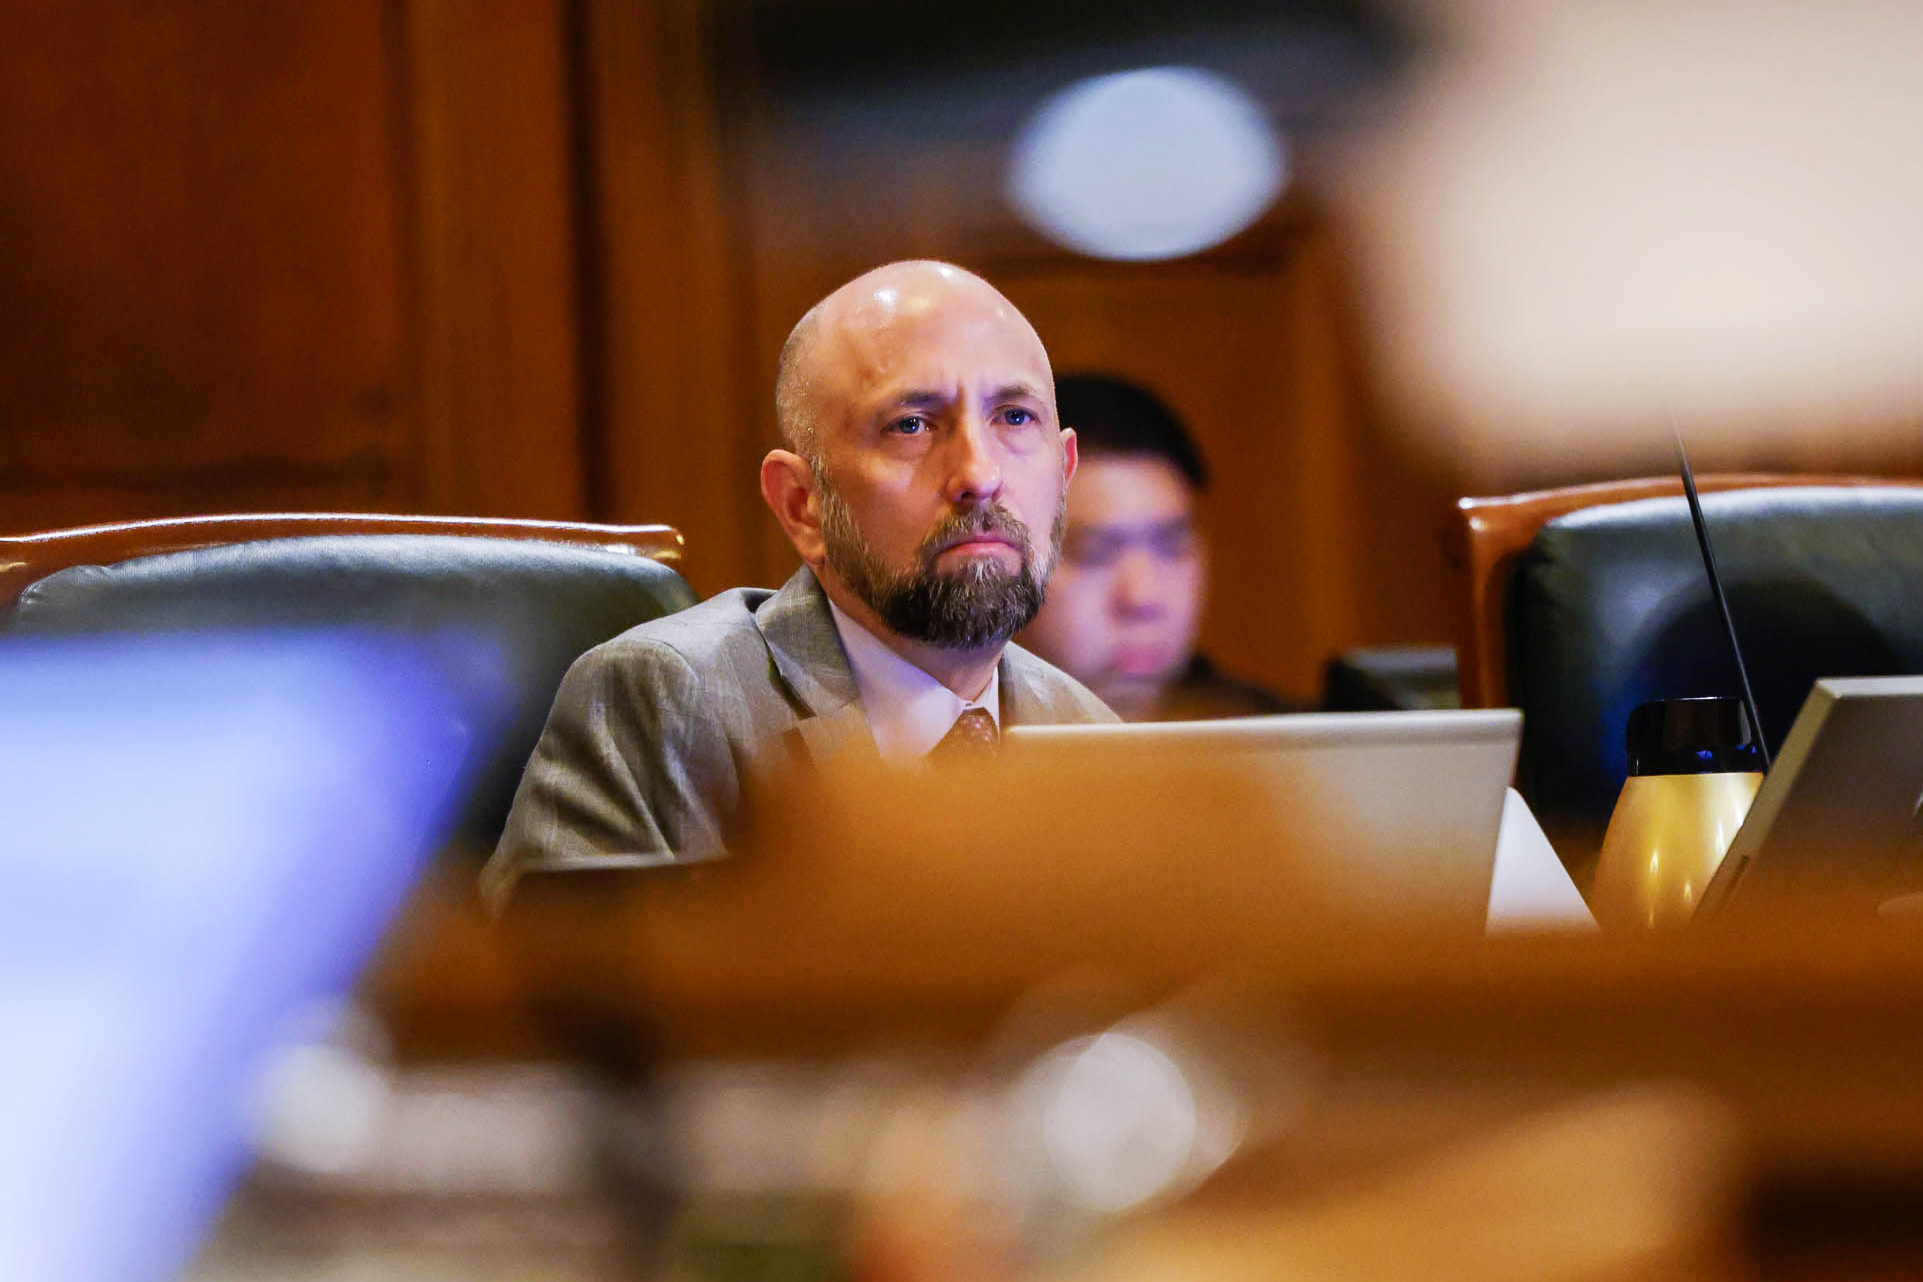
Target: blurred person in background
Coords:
[[922, 480], [1125, 604]]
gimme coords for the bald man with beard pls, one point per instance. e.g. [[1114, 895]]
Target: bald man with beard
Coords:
[[923, 481]]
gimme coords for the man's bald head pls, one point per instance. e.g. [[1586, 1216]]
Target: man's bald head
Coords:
[[837, 327], [924, 468], [794, 414]]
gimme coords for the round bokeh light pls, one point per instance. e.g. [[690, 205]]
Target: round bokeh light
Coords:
[[1146, 164]]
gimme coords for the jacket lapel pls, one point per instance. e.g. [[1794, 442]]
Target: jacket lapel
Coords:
[[1020, 704], [1032, 693], [801, 639]]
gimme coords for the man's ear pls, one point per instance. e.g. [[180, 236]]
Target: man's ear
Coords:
[[1071, 454], [788, 486]]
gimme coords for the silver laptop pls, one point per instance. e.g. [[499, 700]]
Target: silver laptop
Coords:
[[1395, 813], [1838, 812]]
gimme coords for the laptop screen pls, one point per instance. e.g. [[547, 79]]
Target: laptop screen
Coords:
[[1394, 815]]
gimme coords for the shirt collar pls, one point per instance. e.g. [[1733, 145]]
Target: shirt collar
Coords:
[[908, 710]]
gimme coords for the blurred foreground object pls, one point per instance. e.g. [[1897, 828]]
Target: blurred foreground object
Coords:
[[908, 1035], [1402, 1081], [1632, 1186], [1586, 217], [202, 837]]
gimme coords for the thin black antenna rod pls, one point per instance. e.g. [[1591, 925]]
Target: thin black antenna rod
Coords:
[[1716, 589]]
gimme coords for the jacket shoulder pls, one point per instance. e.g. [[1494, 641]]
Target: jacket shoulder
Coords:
[[1049, 694], [699, 632]]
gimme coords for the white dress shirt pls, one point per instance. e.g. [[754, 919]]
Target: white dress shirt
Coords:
[[908, 710]]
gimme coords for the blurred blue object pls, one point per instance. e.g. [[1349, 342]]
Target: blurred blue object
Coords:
[[198, 836]]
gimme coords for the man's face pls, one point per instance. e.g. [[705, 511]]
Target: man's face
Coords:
[[940, 471], [1126, 601], [964, 607]]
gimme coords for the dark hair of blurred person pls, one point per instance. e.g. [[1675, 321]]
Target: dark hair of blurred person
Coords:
[[1125, 604]]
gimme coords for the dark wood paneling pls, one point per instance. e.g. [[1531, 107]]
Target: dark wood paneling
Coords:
[[200, 279], [669, 428], [298, 257], [488, 163]]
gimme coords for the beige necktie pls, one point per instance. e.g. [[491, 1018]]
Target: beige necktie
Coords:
[[973, 737]]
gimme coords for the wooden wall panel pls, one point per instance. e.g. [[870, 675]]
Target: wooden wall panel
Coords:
[[199, 267], [488, 162], [671, 379], [307, 256]]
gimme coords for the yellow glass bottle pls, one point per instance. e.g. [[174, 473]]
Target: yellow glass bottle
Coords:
[[1694, 768]]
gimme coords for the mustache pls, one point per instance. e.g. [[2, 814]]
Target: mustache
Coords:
[[991, 519]]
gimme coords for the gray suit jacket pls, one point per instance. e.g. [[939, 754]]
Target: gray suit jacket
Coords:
[[654, 733]]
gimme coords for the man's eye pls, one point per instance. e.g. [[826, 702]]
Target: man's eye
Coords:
[[1019, 417], [1093, 553], [911, 425], [1175, 545]]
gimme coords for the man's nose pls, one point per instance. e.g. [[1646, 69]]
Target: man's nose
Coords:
[[974, 469], [1138, 584]]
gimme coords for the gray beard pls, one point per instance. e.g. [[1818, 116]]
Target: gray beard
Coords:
[[978, 605]]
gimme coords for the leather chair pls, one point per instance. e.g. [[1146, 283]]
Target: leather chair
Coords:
[[501, 607], [1584, 602]]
